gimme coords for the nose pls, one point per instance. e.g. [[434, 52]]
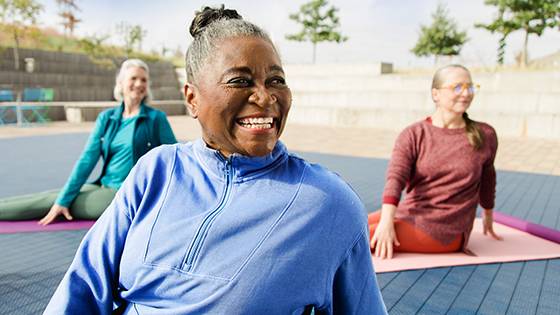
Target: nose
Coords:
[[262, 97]]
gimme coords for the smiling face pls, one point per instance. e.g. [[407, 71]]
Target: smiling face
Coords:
[[444, 96], [240, 97], [134, 84]]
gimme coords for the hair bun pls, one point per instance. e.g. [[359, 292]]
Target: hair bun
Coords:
[[208, 15]]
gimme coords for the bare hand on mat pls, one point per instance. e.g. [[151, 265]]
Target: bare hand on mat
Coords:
[[487, 224], [384, 238], [55, 211]]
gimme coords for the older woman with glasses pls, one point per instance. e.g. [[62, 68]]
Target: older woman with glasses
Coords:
[[446, 164]]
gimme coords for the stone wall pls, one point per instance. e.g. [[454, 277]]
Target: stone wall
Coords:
[[76, 77], [525, 104]]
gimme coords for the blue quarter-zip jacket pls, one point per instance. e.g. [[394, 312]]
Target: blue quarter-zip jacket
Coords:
[[191, 232], [151, 129]]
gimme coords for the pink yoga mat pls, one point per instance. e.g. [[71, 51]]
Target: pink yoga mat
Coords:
[[32, 226], [516, 246], [531, 228]]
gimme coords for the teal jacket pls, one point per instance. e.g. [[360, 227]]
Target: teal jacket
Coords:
[[151, 130]]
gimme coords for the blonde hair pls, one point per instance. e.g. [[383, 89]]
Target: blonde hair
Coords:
[[476, 139], [130, 63]]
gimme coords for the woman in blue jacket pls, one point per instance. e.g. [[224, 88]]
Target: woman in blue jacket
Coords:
[[120, 137], [231, 223]]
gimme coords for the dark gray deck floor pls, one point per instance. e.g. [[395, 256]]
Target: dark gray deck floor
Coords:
[[32, 264]]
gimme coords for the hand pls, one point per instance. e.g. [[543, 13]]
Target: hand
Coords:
[[487, 224], [54, 212], [384, 238]]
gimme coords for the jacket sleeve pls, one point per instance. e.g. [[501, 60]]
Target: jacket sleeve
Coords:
[[166, 135], [355, 289], [90, 286], [84, 166]]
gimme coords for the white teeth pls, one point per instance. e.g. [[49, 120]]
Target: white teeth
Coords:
[[257, 120], [260, 126]]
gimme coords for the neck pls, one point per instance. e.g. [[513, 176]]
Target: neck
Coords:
[[131, 108], [443, 119]]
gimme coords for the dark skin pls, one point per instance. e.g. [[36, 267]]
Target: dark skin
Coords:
[[240, 97]]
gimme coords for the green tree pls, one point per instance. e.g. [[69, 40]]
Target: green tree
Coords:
[[499, 25], [531, 16], [17, 16], [441, 38], [319, 24], [132, 35], [99, 53]]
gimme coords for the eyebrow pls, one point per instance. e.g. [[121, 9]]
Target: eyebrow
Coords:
[[247, 70]]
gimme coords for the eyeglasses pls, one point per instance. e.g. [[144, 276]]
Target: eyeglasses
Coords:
[[460, 87]]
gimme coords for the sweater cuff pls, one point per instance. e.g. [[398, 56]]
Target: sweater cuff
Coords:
[[391, 200]]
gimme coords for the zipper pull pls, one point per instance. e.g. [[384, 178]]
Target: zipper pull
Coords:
[[228, 167]]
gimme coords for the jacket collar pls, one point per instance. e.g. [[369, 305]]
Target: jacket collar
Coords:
[[117, 113], [244, 167]]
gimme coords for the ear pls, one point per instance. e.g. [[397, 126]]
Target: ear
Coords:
[[191, 103], [435, 95]]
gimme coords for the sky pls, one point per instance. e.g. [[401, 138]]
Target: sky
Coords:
[[378, 30]]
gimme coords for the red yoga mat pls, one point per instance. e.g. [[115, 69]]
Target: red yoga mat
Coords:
[[7, 227]]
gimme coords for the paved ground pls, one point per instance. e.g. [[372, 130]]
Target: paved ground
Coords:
[[514, 154], [32, 264]]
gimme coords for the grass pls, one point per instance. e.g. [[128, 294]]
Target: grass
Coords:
[[50, 39]]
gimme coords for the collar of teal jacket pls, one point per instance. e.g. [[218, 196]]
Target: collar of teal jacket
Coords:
[[117, 113]]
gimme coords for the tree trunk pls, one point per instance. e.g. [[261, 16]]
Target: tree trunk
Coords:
[[16, 50], [524, 56], [314, 52]]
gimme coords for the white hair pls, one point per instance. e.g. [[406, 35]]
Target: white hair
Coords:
[[129, 63]]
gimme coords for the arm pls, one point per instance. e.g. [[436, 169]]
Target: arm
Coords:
[[166, 135], [488, 187], [355, 289], [90, 285], [84, 166], [82, 169], [399, 173]]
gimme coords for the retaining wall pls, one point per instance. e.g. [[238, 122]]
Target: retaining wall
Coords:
[[76, 77], [525, 104]]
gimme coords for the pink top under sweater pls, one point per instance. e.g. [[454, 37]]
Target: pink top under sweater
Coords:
[[445, 178]]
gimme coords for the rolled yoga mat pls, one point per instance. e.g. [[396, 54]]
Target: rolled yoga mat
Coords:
[[531, 228], [7, 227]]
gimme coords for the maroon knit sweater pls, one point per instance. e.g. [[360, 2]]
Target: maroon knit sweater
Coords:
[[445, 178]]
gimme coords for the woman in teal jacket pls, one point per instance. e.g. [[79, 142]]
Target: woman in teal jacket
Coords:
[[120, 137]]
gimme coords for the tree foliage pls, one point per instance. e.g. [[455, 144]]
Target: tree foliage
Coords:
[[531, 16], [17, 16], [441, 38], [319, 24], [132, 35]]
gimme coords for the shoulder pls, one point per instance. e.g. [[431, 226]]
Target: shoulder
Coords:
[[105, 114], [414, 129], [486, 129], [329, 190], [155, 113]]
